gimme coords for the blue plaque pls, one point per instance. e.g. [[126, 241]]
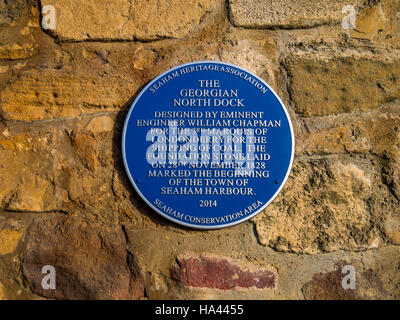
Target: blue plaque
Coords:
[[208, 145]]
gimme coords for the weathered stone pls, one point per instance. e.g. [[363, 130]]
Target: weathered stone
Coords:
[[127, 20], [49, 94], [375, 132], [100, 124], [12, 228], [394, 177], [9, 240], [26, 168], [295, 270], [391, 32], [144, 57], [253, 51], [4, 69], [328, 286], [342, 196], [326, 206], [377, 25], [368, 23], [341, 84], [11, 10], [2, 293], [18, 23], [85, 148], [286, 14], [375, 279], [16, 51], [32, 195], [221, 273], [60, 167], [90, 259], [392, 228]]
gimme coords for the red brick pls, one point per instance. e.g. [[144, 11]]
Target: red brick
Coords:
[[220, 273]]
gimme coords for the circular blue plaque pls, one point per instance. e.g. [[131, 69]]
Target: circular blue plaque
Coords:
[[208, 145]]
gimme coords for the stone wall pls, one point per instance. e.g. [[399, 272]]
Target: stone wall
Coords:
[[66, 201]]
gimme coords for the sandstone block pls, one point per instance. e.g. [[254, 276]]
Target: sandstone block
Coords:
[[127, 19], [16, 51], [286, 14], [368, 23], [9, 240], [378, 23], [326, 206], [49, 94], [11, 10], [375, 132], [253, 51], [85, 148], [91, 260], [2, 293], [328, 286], [341, 84], [100, 124], [26, 168], [374, 280], [4, 69], [392, 228], [31, 195], [144, 57]]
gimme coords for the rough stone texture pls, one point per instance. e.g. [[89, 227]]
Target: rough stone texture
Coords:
[[11, 10], [12, 228], [91, 262], [64, 194], [100, 124], [252, 51], [328, 205], [369, 284], [53, 94], [85, 147], [377, 22], [2, 293], [220, 273], [334, 85], [373, 132], [287, 14], [144, 57], [63, 166], [328, 286], [392, 228], [9, 240], [377, 273], [369, 22], [16, 51], [127, 19], [26, 165]]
